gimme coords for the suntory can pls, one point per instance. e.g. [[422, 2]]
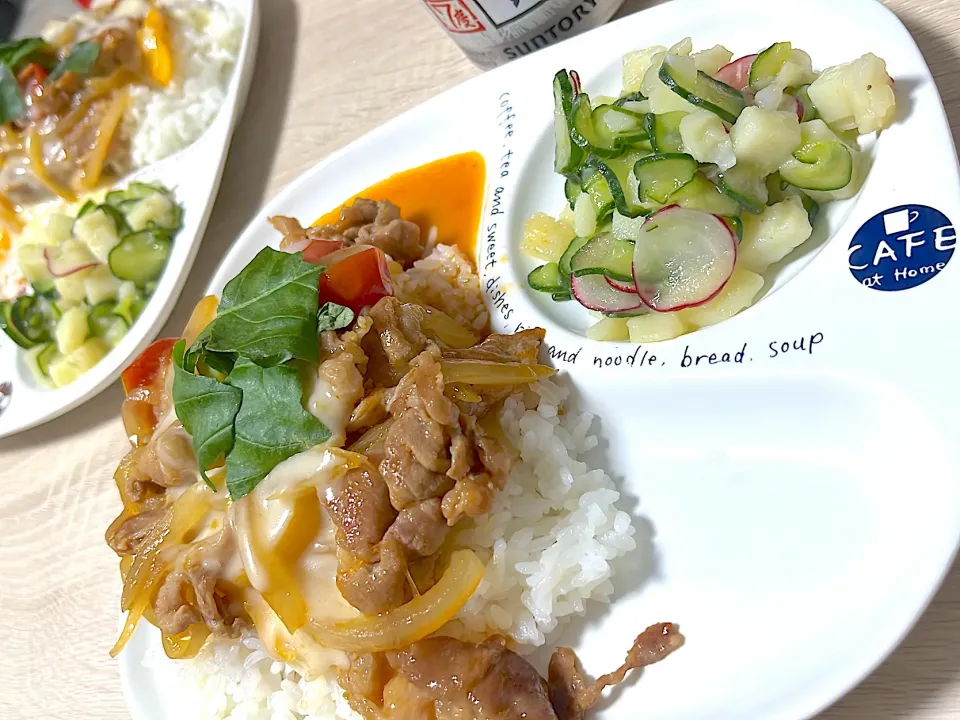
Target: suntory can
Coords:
[[492, 32]]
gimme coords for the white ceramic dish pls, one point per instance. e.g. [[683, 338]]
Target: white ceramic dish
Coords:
[[194, 173], [805, 506]]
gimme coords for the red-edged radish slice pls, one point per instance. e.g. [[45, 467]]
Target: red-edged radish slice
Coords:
[[789, 101], [682, 258], [67, 258], [594, 293], [737, 73], [627, 287]]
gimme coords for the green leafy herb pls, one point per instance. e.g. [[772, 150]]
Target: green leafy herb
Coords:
[[271, 425], [12, 106], [80, 60], [334, 317], [207, 409], [20, 53], [268, 313]]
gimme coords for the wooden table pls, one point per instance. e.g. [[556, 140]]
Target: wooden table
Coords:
[[328, 71]]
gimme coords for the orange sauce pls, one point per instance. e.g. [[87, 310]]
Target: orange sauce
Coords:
[[446, 193]]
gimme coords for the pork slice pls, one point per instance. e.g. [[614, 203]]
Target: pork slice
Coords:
[[572, 694], [359, 505]]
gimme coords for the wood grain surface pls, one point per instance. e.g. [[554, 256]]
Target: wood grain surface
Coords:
[[327, 72]]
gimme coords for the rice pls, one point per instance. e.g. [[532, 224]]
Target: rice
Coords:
[[445, 279], [206, 38], [547, 543]]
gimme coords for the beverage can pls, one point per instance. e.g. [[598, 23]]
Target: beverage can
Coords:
[[493, 32]]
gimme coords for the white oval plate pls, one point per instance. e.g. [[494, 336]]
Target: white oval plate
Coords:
[[805, 506], [194, 174]]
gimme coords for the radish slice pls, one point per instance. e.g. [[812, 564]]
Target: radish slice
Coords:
[[791, 102], [737, 73], [594, 293], [682, 258], [627, 287], [67, 258]]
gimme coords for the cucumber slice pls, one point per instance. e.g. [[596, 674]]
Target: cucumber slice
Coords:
[[664, 132], [102, 319], [567, 156], [736, 225], [701, 194], [547, 278], [819, 165], [571, 190], [561, 297], [563, 264], [662, 175], [140, 257], [744, 184], [680, 74], [584, 132], [28, 320], [607, 255], [629, 98], [88, 207], [597, 188], [768, 65], [38, 360], [623, 184], [618, 126]]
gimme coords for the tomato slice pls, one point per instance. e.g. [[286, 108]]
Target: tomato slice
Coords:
[[146, 368], [319, 249], [33, 73], [358, 280]]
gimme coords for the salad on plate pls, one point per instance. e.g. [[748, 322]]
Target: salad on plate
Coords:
[[705, 172]]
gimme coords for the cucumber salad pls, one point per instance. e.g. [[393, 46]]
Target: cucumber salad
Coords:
[[704, 172], [88, 277]]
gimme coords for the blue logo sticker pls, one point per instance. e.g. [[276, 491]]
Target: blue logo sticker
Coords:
[[901, 248]]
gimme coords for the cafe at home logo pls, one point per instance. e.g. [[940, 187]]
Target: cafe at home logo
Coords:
[[902, 248]]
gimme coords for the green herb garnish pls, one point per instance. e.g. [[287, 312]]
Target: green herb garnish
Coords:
[[268, 313], [334, 317], [17, 54], [207, 409], [12, 106], [251, 412], [271, 425], [80, 60]]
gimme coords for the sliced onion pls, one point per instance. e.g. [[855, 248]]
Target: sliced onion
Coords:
[[407, 624], [682, 258], [595, 293], [487, 372]]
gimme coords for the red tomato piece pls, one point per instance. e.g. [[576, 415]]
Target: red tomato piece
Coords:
[[357, 281], [319, 249], [151, 364]]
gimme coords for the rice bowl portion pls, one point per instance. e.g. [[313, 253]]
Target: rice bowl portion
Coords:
[[550, 542], [347, 498]]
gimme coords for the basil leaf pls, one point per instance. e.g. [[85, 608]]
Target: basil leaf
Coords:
[[268, 313], [19, 53], [80, 60], [271, 425], [207, 409], [12, 106], [334, 317]]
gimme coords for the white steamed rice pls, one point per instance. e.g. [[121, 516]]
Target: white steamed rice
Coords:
[[548, 544], [206, 38]]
